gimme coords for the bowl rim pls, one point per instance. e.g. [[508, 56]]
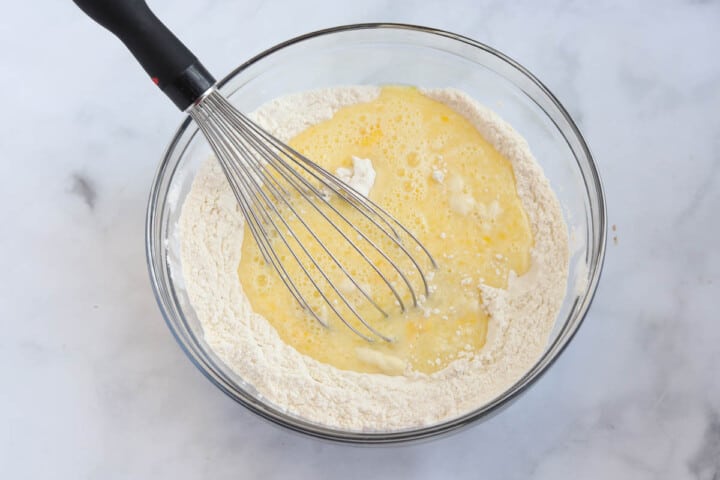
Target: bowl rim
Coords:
[[485, 411]]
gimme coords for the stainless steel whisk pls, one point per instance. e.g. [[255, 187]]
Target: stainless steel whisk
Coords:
[[275, 185]]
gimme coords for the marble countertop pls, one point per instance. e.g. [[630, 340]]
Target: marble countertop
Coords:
[[94, 385]]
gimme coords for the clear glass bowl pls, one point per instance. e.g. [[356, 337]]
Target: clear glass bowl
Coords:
[[386, 54]]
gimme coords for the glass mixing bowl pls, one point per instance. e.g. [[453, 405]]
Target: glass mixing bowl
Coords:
[[386, 54]]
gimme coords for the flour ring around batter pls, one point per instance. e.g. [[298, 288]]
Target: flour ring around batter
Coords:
[[522, 316]]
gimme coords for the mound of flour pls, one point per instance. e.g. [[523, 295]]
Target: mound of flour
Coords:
[[522, 316]]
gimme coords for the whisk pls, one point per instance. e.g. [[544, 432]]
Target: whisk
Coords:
[[284, 197]]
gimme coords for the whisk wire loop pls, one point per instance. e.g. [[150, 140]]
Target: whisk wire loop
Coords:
[[268, 178]]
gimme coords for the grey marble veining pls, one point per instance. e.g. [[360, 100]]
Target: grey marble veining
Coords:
[[94, 386]]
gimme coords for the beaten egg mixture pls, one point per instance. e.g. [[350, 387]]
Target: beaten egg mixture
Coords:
[[437, 175]]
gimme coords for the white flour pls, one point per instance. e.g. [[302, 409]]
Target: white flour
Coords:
[[361, 177], [521, 317]]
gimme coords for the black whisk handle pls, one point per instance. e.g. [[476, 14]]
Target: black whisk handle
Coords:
[[169, 63]]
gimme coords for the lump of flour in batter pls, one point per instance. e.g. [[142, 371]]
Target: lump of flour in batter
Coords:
[[361, 177]]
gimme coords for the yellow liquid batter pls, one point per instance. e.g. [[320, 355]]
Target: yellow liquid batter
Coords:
[[468, 215]]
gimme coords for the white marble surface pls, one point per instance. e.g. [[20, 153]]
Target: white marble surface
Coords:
[[94, 386]]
